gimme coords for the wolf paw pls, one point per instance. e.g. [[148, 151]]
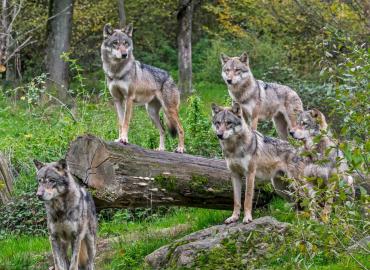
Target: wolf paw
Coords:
[[231, 219], [180, 150], [247, 218], [160, 149], [122, 140]]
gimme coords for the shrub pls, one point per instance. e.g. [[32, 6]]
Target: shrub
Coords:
[[24, 215]]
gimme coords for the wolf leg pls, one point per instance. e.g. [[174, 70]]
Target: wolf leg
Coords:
[[281, 125], [170, 100], [59, 254], [293, 108], [237, 190], [120, 113], [153, 109], [254, 117], [126, 120], [76, 248], [91, 250], [249, 191]]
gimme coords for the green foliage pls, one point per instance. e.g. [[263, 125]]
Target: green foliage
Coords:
[[24, 215], [200, 138]]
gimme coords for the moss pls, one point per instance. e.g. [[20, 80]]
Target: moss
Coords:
[[198, 183], [243, 251], [167, 182]]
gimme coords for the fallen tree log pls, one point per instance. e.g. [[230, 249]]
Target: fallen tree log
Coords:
[[6, 180], [128, 176]]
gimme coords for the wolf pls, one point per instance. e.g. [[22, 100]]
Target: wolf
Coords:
[[258, 99], [248, 154], [71, 216], [323, 157], [131, 81]]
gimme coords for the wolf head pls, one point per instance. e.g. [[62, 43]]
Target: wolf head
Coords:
[[52, 179], [310, 123], [117, 43], [226, 122], [235, 70]]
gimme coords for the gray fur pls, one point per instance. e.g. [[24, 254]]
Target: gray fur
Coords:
[[248, 154], [131, 82], [260, 100], [71, 216], [323, 157]]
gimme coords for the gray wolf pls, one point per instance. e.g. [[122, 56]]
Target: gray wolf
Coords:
[[323, 157], [260, 100], [248, 154], [71, 216], [130, 81]]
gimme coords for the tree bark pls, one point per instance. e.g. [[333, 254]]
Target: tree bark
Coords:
[[7, 41], [3, 32], [128, 176], [6, 180], [184, 18], [121, 13], [59, 31]]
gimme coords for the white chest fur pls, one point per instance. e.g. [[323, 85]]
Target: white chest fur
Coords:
[[238, 165], [119, 85]]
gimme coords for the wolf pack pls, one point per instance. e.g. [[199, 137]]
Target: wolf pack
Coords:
[[71, 215]]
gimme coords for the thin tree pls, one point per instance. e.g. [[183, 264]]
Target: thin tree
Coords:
[[9, 44], [59, 29], [121, 13], [184, 19]]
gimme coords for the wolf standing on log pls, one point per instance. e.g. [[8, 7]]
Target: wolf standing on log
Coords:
[[260, 100], [71, 216], [134, 82]]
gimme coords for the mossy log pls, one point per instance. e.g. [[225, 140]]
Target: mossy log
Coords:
[[6, 180], [128, 176]]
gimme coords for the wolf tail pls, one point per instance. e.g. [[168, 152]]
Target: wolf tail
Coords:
[[171, 124]]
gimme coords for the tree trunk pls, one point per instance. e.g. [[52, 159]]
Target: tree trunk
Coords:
[[7, 42], [59, 35], [6, 180], [3, 33], [121, 13], [184, 18], [130, 176]]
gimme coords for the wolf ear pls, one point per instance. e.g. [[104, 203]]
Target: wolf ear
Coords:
[[61, 165], [215, 109], [224, 58], [128, 29], [244, 58], [315, 113], [236, 109], [38, 164], [107, 30]]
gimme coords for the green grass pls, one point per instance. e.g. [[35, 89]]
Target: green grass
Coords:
[[136, 240], [22, 252]]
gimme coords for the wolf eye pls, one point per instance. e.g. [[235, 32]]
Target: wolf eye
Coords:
[[227, 70], [52, 180], [237, 70]]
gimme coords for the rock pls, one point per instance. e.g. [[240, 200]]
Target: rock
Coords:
[[246, 241]]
